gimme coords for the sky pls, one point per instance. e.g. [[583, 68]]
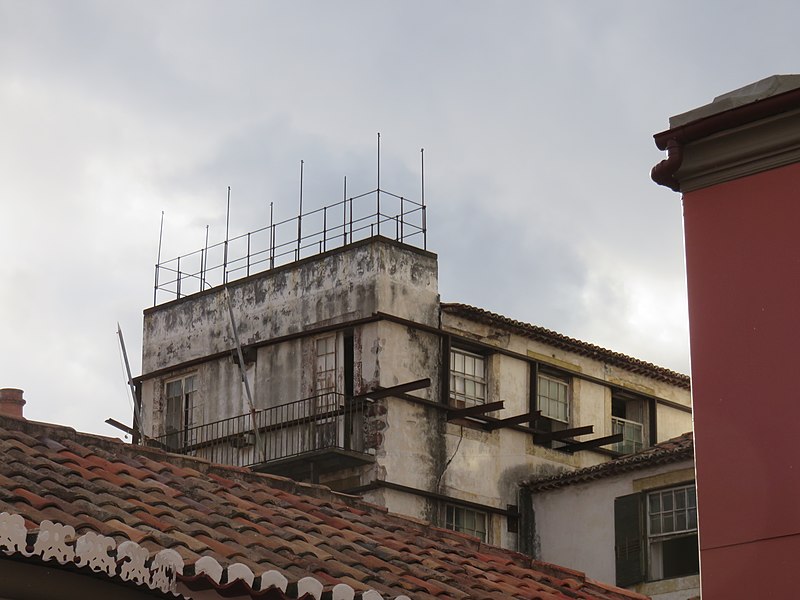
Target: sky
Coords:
[[536, 118]]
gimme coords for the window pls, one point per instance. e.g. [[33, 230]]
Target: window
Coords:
[[655, 535], [325, 372], [672, 533], [553, 398], [327, 402], [627, 418], [465, 520], [467, 378], [182, 410]]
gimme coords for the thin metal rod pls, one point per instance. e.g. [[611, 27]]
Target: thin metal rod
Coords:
[[138, 434], [178, 291], [227, 230], [242, 370], [344, 212], [158, 259], [271, 239], [204, 264], [300, 217], [424, 217], [379, 183]]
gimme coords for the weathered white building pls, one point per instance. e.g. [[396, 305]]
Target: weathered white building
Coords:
[[361, 379], [631, 521]]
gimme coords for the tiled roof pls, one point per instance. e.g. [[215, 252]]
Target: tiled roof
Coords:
[[267, 524], [563, 342], [674, 450]]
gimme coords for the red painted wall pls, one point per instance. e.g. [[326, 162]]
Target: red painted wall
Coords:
[[743, 267]]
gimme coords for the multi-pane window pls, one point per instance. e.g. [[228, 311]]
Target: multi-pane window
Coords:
[[553, 398], [467, 378], [182, 410], [325, 425], [465, 520], [325, 372], [672, 532]]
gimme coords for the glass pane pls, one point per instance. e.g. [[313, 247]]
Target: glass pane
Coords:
[[692, 518], [680, 521], [680, 499], [692, 497], [174, 389], [655, 503], [669, 524], [655, 524], [666, 500]]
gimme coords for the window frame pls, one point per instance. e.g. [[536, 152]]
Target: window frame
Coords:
[[624, 424], [556, 379], [655, 572], [464, 399], [635, 556], [189, 410], [449, 521]]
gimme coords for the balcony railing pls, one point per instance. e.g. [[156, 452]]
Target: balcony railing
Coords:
[[329, 421], [632, 435]]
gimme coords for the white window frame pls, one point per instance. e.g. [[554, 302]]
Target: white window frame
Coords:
[[467, 520], [468, 383], [545, 402], [189, 407], [665, 510]]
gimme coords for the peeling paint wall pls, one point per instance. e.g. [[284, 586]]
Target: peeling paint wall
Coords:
[[351, 283]]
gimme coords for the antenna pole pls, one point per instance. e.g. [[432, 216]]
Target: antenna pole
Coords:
[[344, 211], [138, 435], [300, 217], [379, 183], [204, 264], [271, 239], [158, 260], [424, 216], [227, 229]]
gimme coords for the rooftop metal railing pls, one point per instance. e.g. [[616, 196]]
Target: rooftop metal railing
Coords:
[[377, 212], [326, 421]]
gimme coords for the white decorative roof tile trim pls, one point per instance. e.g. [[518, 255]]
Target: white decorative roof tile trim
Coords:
[[131, 562]]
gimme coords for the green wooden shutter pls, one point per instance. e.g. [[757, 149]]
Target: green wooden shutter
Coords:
[[628, 539]]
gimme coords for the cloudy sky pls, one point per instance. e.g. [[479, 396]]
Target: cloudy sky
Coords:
[[536, 119]]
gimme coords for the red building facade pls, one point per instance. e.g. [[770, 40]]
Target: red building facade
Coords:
[[736, 162]]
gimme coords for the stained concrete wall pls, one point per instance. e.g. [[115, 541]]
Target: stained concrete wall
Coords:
[[575, 526], [193, 334], [413, 445]]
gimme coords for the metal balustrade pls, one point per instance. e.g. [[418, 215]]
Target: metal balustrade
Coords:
[[632, 435], [329, 421], [373, 213]]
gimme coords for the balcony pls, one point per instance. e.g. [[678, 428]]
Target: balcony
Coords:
[[632, 435], [299, 440]]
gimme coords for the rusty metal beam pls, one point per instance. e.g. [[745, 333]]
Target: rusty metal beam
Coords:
[[516, 420], [479, 410], [589, 444], [419, 384], [546, 436]]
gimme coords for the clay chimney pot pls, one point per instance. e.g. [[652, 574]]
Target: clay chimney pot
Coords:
[[11, 402]]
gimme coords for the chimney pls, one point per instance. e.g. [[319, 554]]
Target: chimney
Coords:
[[11, 402]]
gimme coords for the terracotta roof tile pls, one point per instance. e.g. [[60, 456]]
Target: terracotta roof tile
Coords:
[[264, 522], [673, 450]]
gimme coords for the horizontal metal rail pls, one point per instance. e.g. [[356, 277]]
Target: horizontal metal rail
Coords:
[[283, 242], [326, 421]]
